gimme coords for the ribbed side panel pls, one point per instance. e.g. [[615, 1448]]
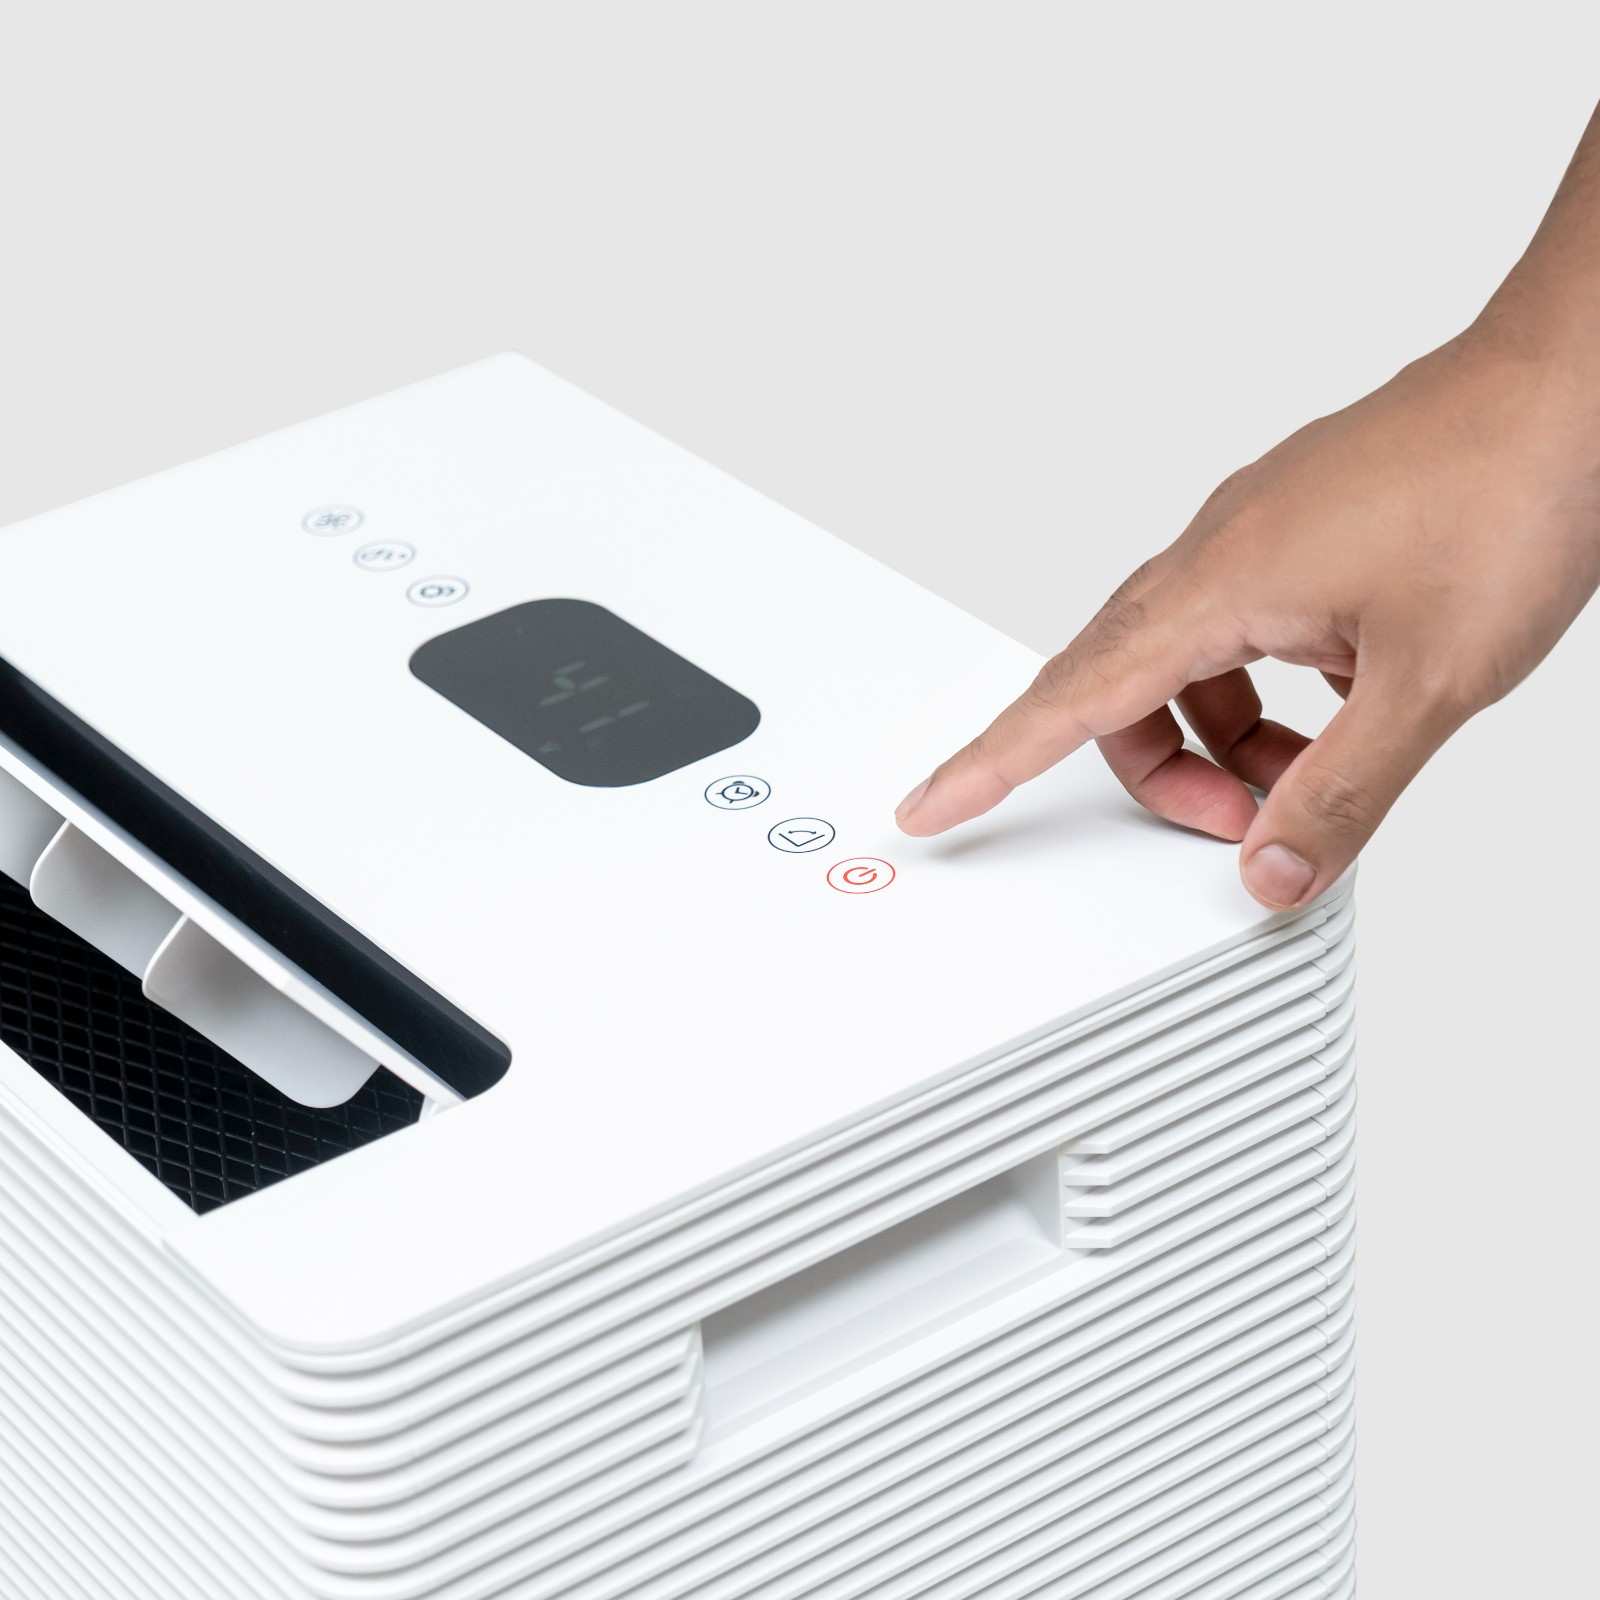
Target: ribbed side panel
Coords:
[[1160, 1409], [1230, 1362]]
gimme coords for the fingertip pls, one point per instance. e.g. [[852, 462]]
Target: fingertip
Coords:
[[1226, 818], [1278, 877], [1231, 817], [907, 808], [1188, 790], [913, 825], [956, 793]]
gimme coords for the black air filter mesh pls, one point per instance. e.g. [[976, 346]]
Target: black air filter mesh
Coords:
[[208, 1128]]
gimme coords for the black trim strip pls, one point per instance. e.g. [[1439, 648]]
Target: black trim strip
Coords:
[[393, 1000]]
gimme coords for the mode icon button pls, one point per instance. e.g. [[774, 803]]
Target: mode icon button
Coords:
[[799, 835]]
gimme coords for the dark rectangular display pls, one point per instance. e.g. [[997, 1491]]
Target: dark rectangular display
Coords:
[[587, 695]]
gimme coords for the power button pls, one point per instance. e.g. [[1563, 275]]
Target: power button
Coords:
[[860, 875]]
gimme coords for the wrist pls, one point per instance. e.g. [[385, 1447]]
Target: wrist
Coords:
[[1533, 362], [1546, 319]]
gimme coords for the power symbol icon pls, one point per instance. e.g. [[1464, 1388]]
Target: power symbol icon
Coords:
[[860, 875]]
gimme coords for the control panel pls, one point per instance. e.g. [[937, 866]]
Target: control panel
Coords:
[[800, 836], [593, 699]]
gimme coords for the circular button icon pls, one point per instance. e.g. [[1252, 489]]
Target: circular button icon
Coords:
[[332, 519], [860, 875], [737, 793], [384, 556], [800, 835], [436, 591]]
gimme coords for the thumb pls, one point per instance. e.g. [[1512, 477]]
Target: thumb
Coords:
[[1332, 797]]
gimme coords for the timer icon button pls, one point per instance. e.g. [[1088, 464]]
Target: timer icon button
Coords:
[[737, 793], [801, 835], [860, 875]]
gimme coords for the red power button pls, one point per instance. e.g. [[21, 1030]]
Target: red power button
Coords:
[[860, 875]]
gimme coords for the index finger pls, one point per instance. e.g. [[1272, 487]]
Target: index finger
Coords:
[[1135, 656]]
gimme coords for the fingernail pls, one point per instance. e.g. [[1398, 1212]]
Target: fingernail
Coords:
[[1278, 876], [911, 801]]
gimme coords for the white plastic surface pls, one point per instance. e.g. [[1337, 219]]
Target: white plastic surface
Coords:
[[584, 927], [988, 1238], [94, 895], [201, 983], [335, 1403], [1204, 1484], [1230, 1363], [27, 825], [98, 1434], [1249, 1002]]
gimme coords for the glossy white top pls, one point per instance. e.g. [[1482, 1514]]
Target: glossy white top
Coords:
[[680, 998]]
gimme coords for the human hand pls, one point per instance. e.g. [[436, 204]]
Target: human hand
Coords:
[[1423, 549]]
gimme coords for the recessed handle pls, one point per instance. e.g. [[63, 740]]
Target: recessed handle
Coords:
[[899, 1284]]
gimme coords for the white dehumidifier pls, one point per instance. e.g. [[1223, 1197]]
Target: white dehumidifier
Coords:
[[490, 1107]]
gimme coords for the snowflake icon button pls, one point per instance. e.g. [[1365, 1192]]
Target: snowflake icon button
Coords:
[[328, 520]]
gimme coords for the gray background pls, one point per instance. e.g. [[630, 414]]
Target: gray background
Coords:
[[996, 291]]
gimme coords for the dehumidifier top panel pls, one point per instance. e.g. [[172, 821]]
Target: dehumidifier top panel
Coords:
[[531, 736]]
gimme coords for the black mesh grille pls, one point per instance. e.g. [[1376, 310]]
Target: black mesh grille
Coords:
[[208, 1128]]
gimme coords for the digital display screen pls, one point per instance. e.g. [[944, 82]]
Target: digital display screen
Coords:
[[584, 693]]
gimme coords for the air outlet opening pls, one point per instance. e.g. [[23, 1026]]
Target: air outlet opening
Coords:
[[206, 1126]]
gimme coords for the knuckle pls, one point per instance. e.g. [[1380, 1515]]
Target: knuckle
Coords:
[[1493, 674], [1453, 684], [989, 754], [1054, 682], [1229, 490], [980, 750], [1101, 657], [1136, 580], [1072, 687], [1227, 555], [1447, 698], [1119, 619], [1339, 804], [1242, 525], [1499, 680]]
